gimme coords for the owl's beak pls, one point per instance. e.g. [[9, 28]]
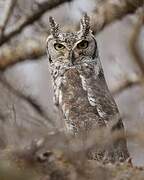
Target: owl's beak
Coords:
[[71, 57]]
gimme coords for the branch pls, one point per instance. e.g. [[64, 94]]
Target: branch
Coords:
[[29, 19], [32, 102], [127, 85], [8, 10], [134, 41], [28, 49], [110, 11]]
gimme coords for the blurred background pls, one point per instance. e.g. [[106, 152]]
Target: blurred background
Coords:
[[26, 94]]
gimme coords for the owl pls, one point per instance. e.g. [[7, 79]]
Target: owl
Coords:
[[81, 92]]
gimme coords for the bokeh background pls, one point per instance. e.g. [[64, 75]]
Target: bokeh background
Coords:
[[26, 94]]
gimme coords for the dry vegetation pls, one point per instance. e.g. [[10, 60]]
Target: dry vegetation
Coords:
[[32, 145]]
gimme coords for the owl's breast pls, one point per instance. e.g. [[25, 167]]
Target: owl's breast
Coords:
[[74, 101]]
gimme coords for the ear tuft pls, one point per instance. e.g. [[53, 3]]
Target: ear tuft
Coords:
[[54, 27], [85, 25]]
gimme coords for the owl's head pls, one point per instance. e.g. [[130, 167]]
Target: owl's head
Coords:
[[71, 48]]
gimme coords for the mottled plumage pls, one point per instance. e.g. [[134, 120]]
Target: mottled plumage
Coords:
[[81, 92]]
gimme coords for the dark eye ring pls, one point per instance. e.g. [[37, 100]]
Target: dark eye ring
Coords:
[[83, 44], [59, 46]]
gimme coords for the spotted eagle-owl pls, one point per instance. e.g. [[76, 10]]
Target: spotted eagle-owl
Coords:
[[81, 92]]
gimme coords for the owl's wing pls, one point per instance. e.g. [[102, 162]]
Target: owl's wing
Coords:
[[100, 97]]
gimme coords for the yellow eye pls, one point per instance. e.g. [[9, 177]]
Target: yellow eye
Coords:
[[83, 44], [59, 46]]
